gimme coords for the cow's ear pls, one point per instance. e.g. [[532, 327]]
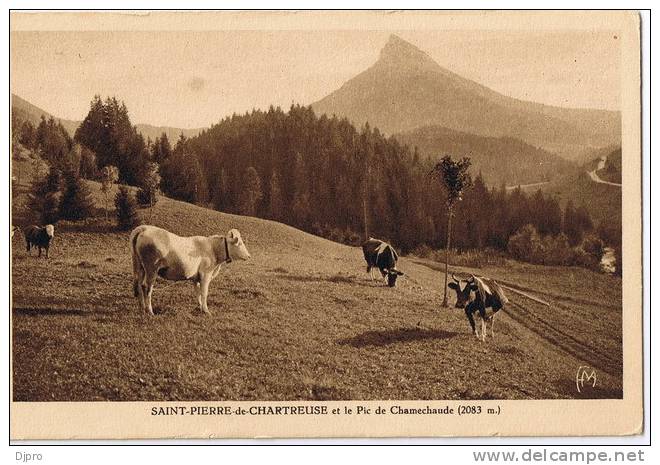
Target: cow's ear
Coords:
[[230, 234], [400, 273], [453, 286]]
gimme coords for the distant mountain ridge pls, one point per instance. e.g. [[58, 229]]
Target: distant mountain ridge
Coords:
[[32, 113], [405, 90], [501, 160], [29, 112]]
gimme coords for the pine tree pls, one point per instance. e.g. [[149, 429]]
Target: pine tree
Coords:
[[149, 182], [183, 178], [276, 203], [251, 193], [108, 132], [45, 197], [88, 167], [161, 149], [76, 202], [126, 209]]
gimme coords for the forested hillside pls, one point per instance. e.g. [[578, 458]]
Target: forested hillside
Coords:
[[502, 160], [319, 174]]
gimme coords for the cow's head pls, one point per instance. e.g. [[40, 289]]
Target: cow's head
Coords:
[[236, 246], [50, 230], [392, 275], [463, 294]]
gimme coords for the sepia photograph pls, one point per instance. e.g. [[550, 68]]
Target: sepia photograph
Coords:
[[426, 213]]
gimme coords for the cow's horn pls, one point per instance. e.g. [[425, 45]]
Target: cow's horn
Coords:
[[454, 278]]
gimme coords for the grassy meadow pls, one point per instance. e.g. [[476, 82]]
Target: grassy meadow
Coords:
[[301, 321]]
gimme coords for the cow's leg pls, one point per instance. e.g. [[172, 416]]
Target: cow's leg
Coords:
[[138, 280], [206, 280], [47, 247], [492, 326], [148, 289], [198, 293], [484, 321], [139, 293], [39, 251], [468, 313]]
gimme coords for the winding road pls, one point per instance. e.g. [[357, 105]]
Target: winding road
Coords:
[[594, 174], [526, 186]]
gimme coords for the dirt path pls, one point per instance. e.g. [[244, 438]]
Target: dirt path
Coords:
[[561, 340]]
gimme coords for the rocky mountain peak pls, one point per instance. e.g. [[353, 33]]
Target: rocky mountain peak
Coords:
[[398, 52]]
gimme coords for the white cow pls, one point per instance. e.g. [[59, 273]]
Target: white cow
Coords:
[[157, 252]]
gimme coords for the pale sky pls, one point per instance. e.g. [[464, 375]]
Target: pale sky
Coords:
[[194, 79]]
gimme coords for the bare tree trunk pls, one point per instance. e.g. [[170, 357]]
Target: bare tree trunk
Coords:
[[364, 214], [447, 247], [365, 194]]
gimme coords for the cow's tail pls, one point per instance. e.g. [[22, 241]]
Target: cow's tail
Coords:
[[135, 257]]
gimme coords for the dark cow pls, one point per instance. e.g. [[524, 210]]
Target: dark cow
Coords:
[[481, 295], [36, 236], [381, 255]]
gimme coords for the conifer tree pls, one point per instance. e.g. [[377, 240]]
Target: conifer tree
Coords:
[[76, 202], [251, 193], [44, 199], [276, 203]]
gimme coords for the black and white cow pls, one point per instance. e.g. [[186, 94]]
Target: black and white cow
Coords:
[[36, 236], [480, 295], [381, 255]]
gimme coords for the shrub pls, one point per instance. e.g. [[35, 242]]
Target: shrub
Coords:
[[525, 245], [594, 246], [126, 208], [145, 197], [584, 259], [352, 238], [555, 251]]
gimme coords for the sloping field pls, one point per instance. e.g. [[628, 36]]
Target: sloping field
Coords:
[[301, 320]]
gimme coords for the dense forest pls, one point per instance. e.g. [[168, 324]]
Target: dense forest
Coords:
[[319, 174]]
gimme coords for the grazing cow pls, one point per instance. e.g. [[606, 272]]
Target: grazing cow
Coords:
[[157, 252], [480, 295], [39, 237], [381, 255]]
